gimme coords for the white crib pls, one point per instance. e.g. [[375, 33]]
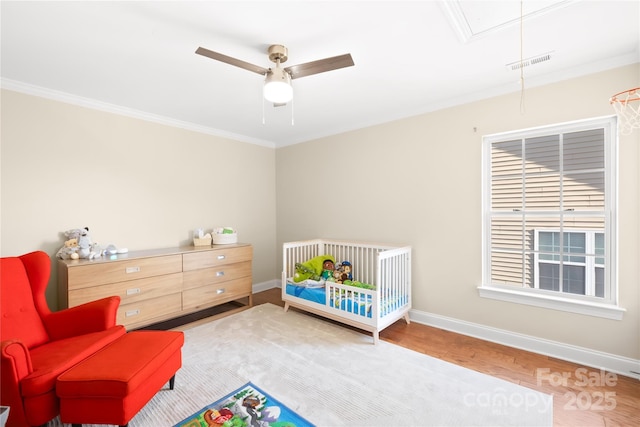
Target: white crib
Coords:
[[387, 267]]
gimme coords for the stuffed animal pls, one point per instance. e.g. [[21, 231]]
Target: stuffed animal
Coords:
[[69, 250], [84, 244], [342, 272], [79, 245], [75, 233], [338, 273], [346, 268], [327, 269], [312, 269], [358, 284]]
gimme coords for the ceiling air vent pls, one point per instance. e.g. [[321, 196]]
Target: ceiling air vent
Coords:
[[534, 60]]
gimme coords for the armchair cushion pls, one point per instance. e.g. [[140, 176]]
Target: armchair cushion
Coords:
[[52, 359]]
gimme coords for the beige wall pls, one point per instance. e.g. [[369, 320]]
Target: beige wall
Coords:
[[134, 183], [417, 181]]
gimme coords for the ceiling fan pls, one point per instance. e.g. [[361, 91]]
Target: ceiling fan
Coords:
[[277, 84]]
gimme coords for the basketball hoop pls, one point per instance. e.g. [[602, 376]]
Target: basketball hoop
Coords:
[[627, 106]]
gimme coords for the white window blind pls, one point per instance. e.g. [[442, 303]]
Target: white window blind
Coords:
[[549, 202]]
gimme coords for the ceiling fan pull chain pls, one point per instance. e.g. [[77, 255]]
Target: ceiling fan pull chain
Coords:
[[522, 106], [263, 121], [292, 104]]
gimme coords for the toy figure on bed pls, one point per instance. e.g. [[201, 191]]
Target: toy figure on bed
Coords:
[[316, 268], [338, 274], [327, 269], [342, 272], [347, 269]]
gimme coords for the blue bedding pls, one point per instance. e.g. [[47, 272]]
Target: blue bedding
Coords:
[[359, 304]]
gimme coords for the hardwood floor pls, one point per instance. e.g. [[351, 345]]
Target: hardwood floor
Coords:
[[582, 396]]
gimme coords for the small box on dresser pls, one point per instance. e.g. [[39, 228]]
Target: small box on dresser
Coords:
[[157, 285]]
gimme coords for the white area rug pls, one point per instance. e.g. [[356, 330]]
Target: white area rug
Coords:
[[333, 376]]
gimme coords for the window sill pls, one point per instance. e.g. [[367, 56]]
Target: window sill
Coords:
[[606, 311]]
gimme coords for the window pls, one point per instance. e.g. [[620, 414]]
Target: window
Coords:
[[549, 235], [581, 275]]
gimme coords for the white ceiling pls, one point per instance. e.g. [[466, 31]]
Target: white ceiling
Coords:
[[410, 57]]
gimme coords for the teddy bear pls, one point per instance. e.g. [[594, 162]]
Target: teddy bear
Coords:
[[79, 245], [69, 250]]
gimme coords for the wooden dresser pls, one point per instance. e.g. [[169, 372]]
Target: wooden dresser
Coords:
[[160, 284]]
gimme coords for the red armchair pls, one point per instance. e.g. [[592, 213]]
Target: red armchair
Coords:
[[38, 345]]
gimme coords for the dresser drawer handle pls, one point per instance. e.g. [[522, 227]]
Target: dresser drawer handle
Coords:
[[132, 313], [129, 270], [219, 273], [221, 256], [220, 291], [133, 291]]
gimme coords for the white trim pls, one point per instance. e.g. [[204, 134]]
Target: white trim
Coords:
[[263, 286], [68, 98], [563, 127], [459, 20], [607, 311], [584, 356], [564, 301]]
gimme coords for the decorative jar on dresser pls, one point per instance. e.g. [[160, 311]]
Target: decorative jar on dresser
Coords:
[[160, 284]]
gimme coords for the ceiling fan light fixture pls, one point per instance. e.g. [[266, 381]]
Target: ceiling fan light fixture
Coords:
[[277, 84], [277, 87]]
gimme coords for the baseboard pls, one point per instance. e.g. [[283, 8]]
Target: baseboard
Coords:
[[263, 286], [583, 356]]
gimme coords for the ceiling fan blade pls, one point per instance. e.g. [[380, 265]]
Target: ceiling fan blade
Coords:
[[231, 61], [320, 66]]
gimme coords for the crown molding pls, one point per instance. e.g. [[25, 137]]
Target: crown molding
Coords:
[[93, 104]]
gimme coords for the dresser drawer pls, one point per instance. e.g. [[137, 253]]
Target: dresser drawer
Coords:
[[205, 296], [88, 275], [129, 291], [143, 312], [214, 258], [211, 276]]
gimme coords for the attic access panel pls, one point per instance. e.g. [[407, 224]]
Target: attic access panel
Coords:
[[474, 19]]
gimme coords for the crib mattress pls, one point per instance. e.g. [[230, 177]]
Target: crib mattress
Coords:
[[360, 304]]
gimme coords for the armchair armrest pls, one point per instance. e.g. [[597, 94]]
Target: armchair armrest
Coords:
[[16, 361], [90, 317], [15, 364]]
